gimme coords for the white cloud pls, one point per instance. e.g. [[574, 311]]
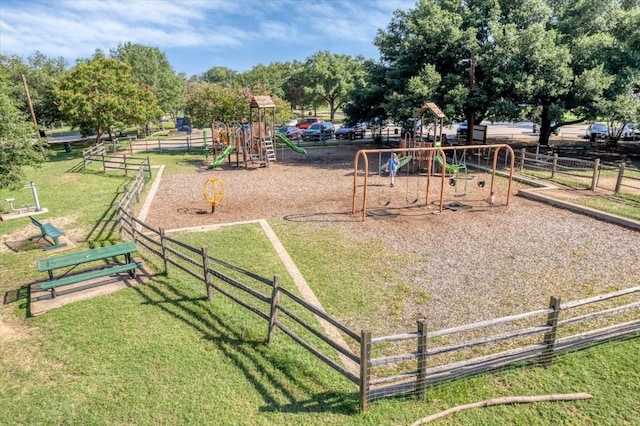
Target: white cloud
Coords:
[[260, 29]]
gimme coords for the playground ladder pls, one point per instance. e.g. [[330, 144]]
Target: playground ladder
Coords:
[[269, 151]]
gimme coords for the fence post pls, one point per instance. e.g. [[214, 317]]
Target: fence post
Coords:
[[522, 158], [126, 171], [120, 227], [620, 176], [365, 369], [596, 169], [165, 255], [554, 166], [104, 164], [546, 357], [130, 218], [273, 315], [422, 359], [207, 276], [149, 167]]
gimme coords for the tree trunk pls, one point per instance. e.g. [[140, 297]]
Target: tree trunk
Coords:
[[545, 126]]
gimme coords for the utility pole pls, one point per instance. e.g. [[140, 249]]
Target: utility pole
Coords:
[[33, 114], [472, 88], [26, 89]]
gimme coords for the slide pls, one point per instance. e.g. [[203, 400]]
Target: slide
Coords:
[[402, 161], [451, 168], [285, 140], [222, 157]]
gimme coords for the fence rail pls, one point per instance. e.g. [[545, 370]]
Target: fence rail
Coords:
[[399, 364], [581, 174], [98, 154]]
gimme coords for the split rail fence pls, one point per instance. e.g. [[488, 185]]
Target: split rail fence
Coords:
[[402, 364], [98, 154], [581, 174]]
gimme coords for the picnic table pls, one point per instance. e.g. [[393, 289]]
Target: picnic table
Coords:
[[71, 261]]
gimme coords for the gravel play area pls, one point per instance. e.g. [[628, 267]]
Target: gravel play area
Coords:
[[476, 261]]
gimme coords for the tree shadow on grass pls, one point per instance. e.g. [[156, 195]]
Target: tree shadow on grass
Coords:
[[260, 363]]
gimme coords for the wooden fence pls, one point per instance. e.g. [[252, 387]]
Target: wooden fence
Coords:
[[402, 364], [579, 173], [98, 154], [201, 142]]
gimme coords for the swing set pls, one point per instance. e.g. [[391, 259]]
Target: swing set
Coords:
[[434, 155]]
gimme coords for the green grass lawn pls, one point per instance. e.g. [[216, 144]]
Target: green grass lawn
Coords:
[[162, 353]]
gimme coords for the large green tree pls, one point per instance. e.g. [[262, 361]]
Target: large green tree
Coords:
[[18, 140], [219, 75], [100, 94], [40, 73], [150, 68], [330, 77], [207, 103], [509, 59]]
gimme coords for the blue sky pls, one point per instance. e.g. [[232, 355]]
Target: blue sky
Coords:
[[200, 34]]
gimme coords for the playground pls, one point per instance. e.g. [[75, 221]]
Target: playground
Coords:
[[483, 257], [316, 187]]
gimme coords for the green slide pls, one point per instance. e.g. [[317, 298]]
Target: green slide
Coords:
[[451, 168], [222, 157], [402, 161], [285, 140]]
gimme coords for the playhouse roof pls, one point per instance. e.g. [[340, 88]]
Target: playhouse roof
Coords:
[[262, 102], [430, 106]]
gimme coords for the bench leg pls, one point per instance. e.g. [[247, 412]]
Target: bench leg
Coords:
[[56, 244]]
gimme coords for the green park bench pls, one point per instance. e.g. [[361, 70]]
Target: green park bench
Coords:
[[47, 230], [73, 260]]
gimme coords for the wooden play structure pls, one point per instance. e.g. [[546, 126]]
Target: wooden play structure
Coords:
[[420, 139], [253, 143], [447, 171]]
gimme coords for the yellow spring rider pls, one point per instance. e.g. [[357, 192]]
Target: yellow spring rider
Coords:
[[213, 191]]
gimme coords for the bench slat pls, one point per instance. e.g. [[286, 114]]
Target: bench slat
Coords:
[[51, 231], [72, 259], [85, 276]]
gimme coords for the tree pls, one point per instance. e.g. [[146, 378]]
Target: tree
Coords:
[[329, 78], [509, 59], [150, 68], [18, 141], [367, 98], [207, 103], [99, 94], [219, 75], [41, 73]]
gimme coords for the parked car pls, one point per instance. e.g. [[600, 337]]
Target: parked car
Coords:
[[306, 122], [292, 122], [318, 131], [292, 132], [555, 131], [351, 131], [628, 132], [461, 131], [597, 130]]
